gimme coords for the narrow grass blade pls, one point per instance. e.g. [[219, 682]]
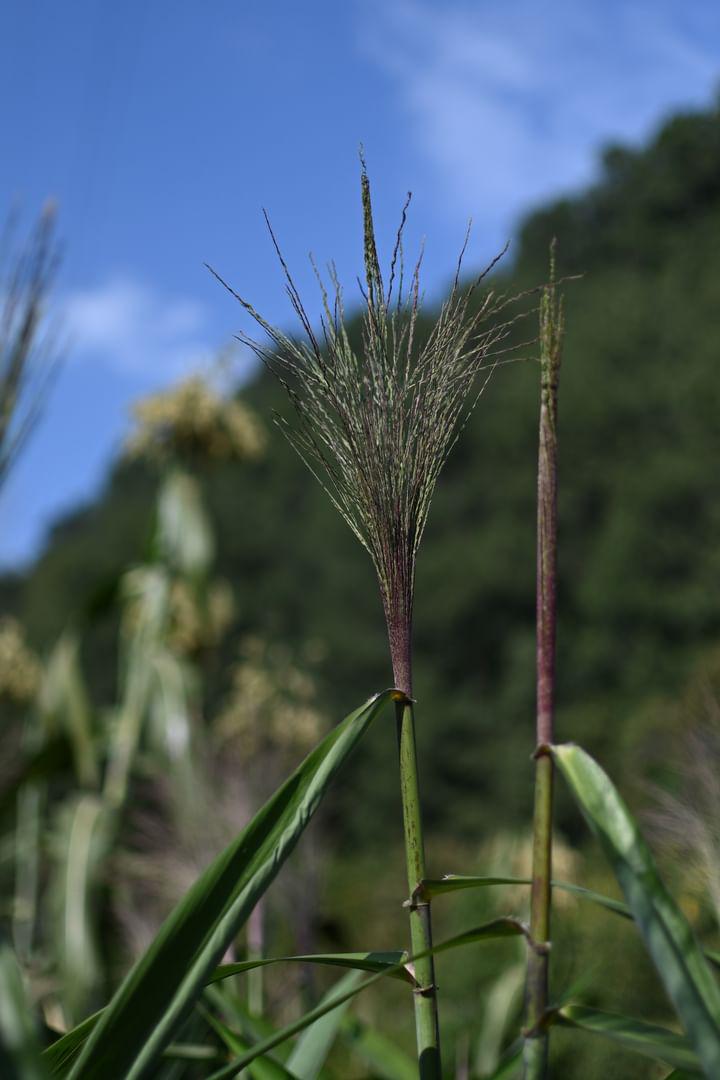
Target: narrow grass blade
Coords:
[[82, 842], [312, 1048], [65, 706], [501, 1014], [386, 1060], [453, 882], [191, 1052], [60, 1055], [508, 1068], [668, 936], [147, 1009], [382, 962], [19, 1048], [498, 928], [50, 759], [263, 1068], [647, 1039], [28, 845], [393, 964], [184, 535], [146, 590], [63, 1052], [235, 1012]]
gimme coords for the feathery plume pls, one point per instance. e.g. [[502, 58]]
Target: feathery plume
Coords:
[[376, 425]]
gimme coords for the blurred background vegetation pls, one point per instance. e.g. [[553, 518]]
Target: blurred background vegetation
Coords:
[[213, 554]]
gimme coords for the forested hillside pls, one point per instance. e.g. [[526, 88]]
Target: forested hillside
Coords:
[[640, 518]]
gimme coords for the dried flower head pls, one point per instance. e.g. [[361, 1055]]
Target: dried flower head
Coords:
[[271, 705], [193, 420], [19, 667], [376, 424], [199, 618]]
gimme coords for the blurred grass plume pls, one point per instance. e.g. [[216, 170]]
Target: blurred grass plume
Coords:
[[20, 669], [191, 419]]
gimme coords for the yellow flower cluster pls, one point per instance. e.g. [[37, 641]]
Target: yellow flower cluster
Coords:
[[192, 418], [199, 623], [271, 703], [19, 667]]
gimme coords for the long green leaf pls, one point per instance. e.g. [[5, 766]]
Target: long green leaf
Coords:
[[59, 1056], [386, 1060], [498, 928], [146, 591], [508, 1068], [156, 995], [50, 759], [82, 841], [62, 1052], [383, 962], [192, 1052], [235, 1012], [64, 706], [393, 964], [31, 803], [667, 933], [453, 882], [19, 1048], [184, 536], [263, 1067], [646, 1039], [312, 1048], [503, 1005]]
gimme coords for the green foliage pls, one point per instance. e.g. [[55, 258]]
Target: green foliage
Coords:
[[314, 1045], [19, 1043], [646, 1039], [453, 882], [152, 1001], [380, 1053], [684, 972], [383, 962], [498, 929]]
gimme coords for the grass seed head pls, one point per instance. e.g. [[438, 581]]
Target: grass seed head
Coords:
[[20, 669], [375, 424], [191, 420]]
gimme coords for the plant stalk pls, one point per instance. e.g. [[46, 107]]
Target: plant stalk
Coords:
[[425, 994], [535, 1053]]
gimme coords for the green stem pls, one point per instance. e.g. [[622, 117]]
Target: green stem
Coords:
[[425, 995], [535, 1054]]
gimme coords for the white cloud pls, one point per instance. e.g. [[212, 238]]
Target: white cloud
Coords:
[[135, 330], [509, 102]]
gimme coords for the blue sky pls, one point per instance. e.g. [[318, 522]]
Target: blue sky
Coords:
[[162, 127]]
